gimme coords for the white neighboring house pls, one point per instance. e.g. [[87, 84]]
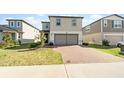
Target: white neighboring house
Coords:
[[64, 30], [20, 30]]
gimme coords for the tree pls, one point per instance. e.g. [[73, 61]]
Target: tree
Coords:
[[42, 39], [8, 42]]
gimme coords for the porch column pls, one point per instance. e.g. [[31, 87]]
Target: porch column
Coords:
[[17, 35]]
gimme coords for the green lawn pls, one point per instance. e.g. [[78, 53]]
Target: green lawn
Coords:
[[21, 56], [108, 49]]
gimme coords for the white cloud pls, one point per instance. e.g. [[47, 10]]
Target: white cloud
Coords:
[[34, 21]]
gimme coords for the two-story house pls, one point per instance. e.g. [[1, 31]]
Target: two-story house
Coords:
[[109, 28], [20, 30], [64, 30]]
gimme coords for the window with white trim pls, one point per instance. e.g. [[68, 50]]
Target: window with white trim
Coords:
[[12, 24], [117, 23], [74, 23], [18, 24], [105, 23], [58, 22]]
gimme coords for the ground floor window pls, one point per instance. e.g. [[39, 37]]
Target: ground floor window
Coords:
[[13, 36]]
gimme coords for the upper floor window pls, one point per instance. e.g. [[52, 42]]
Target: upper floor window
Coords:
[[18, 24], [58, 22], [117, 23], [11, 24], [46, 26], [105, 23], [74, 22]]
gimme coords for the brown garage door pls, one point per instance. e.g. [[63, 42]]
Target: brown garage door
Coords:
[[113, 39], [66, 39]]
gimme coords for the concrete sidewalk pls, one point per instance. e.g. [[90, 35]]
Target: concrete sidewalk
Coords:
[[94, 70], [44, 71]]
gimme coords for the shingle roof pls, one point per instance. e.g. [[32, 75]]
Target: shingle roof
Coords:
[[6, 28]]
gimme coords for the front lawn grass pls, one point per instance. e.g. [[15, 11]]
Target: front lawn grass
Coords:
[[28, 57], [108, 49]]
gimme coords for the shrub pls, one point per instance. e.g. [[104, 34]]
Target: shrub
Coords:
[[32, 45], [51, 43], [105, 42], [8, 42], [38, 43], [86, 44], [19, 42]]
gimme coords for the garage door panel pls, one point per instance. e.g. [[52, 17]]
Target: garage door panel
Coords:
[[113, 39], [72, 39], [60, 39], [66, 39]]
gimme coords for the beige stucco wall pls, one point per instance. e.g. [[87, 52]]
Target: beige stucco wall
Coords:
[[29, 33], [66, 28], [66, 24], [95, 38]]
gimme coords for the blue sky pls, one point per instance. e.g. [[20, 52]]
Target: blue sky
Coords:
[[35, 19]]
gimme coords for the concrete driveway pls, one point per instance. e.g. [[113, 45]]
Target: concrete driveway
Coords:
[[76, 54]]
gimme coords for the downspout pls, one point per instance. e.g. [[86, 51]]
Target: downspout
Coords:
[[102, 36]]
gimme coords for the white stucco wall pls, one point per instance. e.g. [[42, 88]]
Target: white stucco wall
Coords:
[[66, 32], [29, 33]]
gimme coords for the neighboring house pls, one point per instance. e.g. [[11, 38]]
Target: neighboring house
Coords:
[[20, 30], [64, 30], [14, 34], [109, 28]]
